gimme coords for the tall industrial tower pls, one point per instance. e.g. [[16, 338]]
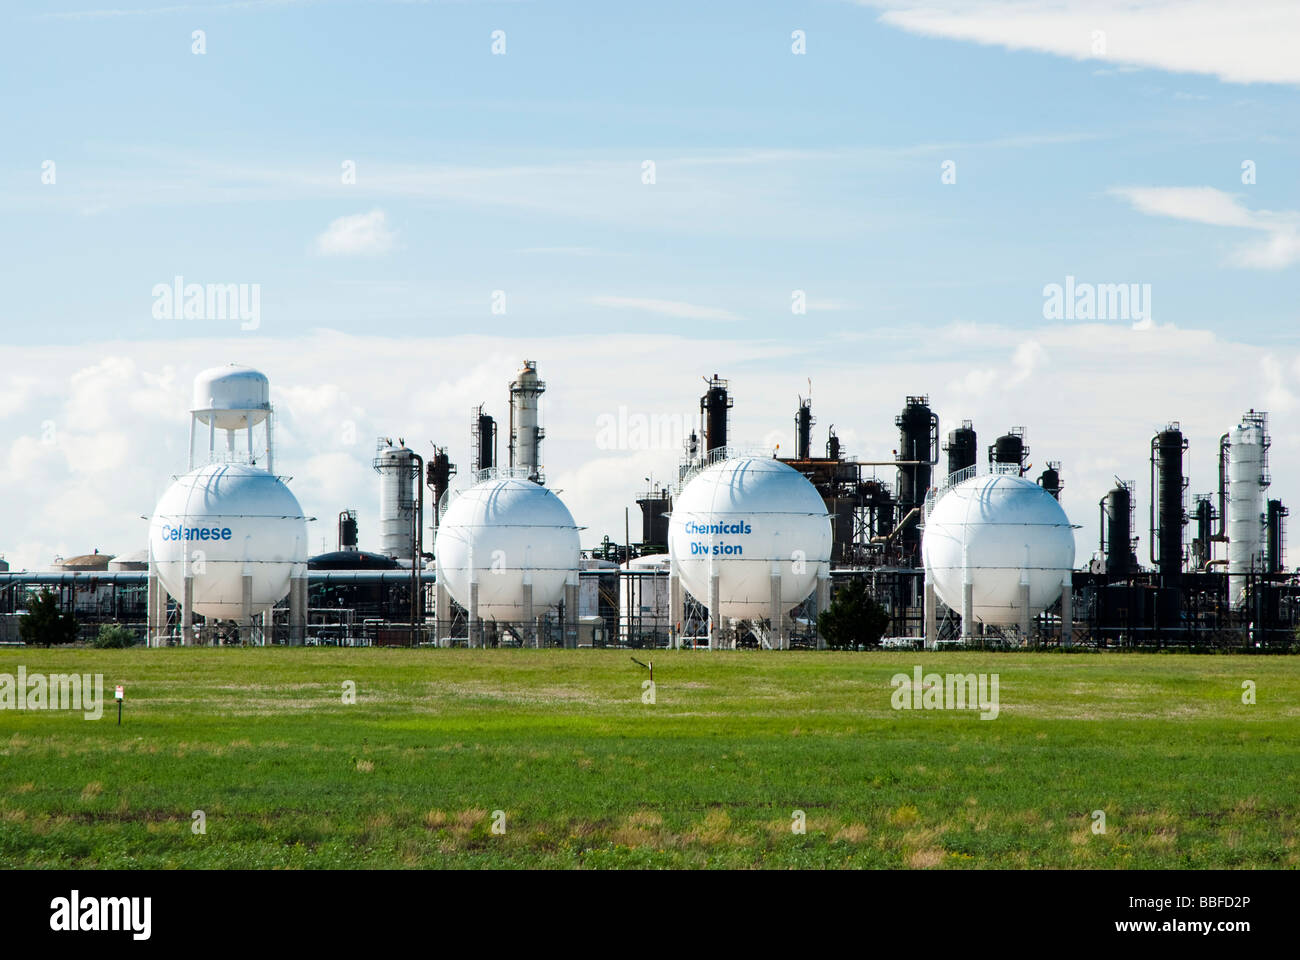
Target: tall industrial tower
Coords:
[[525, 435]]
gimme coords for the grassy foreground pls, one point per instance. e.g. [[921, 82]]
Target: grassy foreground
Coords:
[[287, 775]]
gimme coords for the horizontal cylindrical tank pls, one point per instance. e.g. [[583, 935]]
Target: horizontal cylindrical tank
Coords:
[[745, 520], [502, 534], [996, 532], [220, 524]]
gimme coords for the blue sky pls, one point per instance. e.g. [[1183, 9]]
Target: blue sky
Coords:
[[774, 172], [522, 172]]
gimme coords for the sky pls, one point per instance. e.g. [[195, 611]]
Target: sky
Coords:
[[870, 199]]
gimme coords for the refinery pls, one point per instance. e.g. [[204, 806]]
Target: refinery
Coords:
[[960, 546]]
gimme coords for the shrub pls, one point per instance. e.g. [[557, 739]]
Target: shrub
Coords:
[[114, 636]]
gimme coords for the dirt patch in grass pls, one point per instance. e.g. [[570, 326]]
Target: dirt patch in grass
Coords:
[[853, 833], [925, 859]]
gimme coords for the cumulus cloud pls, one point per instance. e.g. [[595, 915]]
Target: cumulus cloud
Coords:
[[1278, 248], [362, 234], [1247, 41], [103, 427]]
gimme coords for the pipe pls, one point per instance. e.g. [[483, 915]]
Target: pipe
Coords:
[[417, 561], [1151, 526], [1222, 535], [898, 529]]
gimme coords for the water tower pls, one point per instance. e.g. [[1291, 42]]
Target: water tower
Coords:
[[228, 540]]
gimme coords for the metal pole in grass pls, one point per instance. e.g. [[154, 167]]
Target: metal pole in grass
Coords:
[[649, 666]]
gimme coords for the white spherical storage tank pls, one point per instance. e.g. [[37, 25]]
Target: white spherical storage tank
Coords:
[[746, 519], [221, 523], [998, 529], [505, 533]]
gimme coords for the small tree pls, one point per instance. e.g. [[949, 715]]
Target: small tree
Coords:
[[45, 624], [853, 617], [114, 636]]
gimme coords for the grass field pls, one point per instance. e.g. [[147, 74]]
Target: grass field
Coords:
[[588, 775]]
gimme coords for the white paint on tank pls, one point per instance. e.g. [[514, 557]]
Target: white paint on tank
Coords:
[[220, 523], [503, 533], [746, 519], [525, 434], [396, 466], [1245, 508], [999, 530], [232, 388]]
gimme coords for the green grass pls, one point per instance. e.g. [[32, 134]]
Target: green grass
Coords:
[[589, 776]]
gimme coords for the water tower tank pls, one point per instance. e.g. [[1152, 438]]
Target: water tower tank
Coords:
[[221, 523], [504, 533], [997, 530], [745, 519], [234, 396]]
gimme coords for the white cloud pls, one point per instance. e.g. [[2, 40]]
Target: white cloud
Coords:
[[1089, 395], [362, 234], [1245, 41], [1279, 248], [667, 308]]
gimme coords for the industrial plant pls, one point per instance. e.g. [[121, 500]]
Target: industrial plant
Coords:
[[958, 545]]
